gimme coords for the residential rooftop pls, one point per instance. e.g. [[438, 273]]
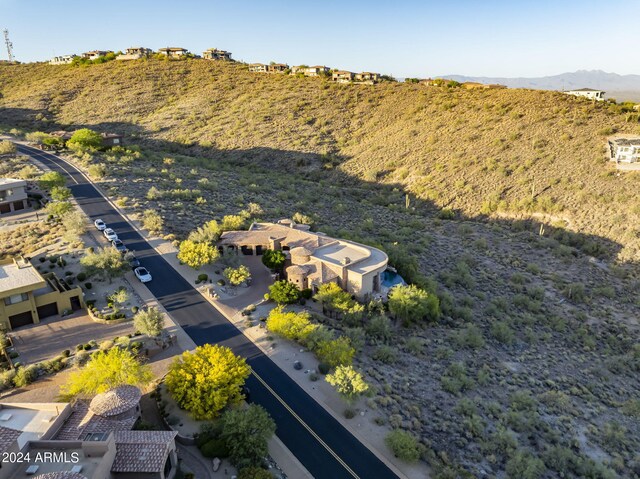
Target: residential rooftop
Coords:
[[19, 273], [12, 182]]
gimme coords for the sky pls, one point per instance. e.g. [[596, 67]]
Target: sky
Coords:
[[409, 38]]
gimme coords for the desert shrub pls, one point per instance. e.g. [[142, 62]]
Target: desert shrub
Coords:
[[337, 352], [254, 473], [455, 379], [524, 465], [379, 328], [25, 375], [385, 354], [403, 445], [215, 448], [6, 379], [284, 292], [289, 324], [7, 147], [469, 337], [503, 332], [81, 276]]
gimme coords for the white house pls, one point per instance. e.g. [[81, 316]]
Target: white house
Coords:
[[62, 60], [625, 150], [587, 93]]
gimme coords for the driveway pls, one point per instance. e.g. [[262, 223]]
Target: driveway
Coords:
[[53, 335]]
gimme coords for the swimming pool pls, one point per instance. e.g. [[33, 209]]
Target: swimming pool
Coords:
[[389, 279]]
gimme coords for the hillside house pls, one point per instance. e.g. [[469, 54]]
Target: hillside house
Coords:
[[26, 296], [62, 60], [625, 150], [173, 52], [135, 53], [313, 71], [342, 76], [95, 54], [314, 258], [108, 139], [481, 86], [13, 195], [278, 68], [367, 77], [258, 68], [215, 54], [587, 93]]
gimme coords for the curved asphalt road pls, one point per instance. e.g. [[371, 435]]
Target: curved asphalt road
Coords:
[[319, 442]]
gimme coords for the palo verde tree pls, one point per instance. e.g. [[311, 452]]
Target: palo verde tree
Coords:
[[237, 276], [411, 304], [104, 371], [107, 261], [348, 382], [50, 179], [206, 380], [196, 255], [85, 139], [149, 321]]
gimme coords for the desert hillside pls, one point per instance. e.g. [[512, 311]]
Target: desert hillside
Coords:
[[499, 201], [501, 152]]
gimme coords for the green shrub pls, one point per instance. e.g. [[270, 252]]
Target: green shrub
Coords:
[[202, 277], [6, 379], [523, 465], [403, 445], [25, 375], [215, 448], [88, 285], [324, 368], [254, 473], [503, 332]]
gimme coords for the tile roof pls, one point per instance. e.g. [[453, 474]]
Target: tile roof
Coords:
[[115, 401], [82, 421], [142, 451], [7, 437]]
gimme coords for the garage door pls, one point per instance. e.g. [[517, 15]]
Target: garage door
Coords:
[[47, 310], [5, 208], [21, 319]]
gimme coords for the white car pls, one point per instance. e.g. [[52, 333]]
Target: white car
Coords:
[[142, 274], [110, 234], [100, 225]]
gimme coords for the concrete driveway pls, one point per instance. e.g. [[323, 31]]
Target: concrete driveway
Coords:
[[53, 335]]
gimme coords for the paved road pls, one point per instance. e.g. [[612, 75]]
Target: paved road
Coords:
[[319, 442]]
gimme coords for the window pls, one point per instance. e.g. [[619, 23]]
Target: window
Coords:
[[16, 298]]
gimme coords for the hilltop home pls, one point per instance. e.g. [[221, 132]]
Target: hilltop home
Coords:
[[108, 139], [173, 52], [13, 195], [135, 53], [62, 60], [482, 86], [95, 54], [587, 93], [215, 54], [258, 68], [342, 76], [314, 258], [625, 150], [278, 68], [314, 71], [26, 296], [367, 77], [91, 439]]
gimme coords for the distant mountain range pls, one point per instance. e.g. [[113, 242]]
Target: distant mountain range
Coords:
[[620, 87]]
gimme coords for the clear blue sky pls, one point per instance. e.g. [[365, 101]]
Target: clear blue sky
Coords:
[[403, 38]]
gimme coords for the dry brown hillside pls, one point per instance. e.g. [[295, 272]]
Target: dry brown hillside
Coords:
[[481, 151]]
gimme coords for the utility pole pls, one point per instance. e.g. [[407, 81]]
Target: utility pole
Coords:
[[8, 44]]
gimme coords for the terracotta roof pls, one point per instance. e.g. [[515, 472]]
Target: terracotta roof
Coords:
[[7, 437], [142, 451], [116, 401], [82, 421], [60, 475]]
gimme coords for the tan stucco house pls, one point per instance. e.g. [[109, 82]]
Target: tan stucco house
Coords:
[[135, 53], [314, 258], [173, 52], [342, 76], [215, 54], [13, 195], [26, 296], [258, 68]]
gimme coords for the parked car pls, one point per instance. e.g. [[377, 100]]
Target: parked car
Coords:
[[142, 274], [119, 245], [110, 234], [133, 261], [100, 225]]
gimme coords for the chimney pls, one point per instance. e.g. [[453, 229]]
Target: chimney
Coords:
[[345, 261]]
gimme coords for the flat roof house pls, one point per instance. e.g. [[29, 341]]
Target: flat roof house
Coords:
[[313, 71], [95, 54], [13, 195], [314, 258], [173, 52], [26, 296], [367, 77], [587, 93], [135, 53], [215, 54], [62, 60], [342, 76], [625, 150], [278, 68], [258, 68]]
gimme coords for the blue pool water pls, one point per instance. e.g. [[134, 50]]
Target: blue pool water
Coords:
[[390, 279]]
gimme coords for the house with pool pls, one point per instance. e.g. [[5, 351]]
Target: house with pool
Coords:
[[315, 258]]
